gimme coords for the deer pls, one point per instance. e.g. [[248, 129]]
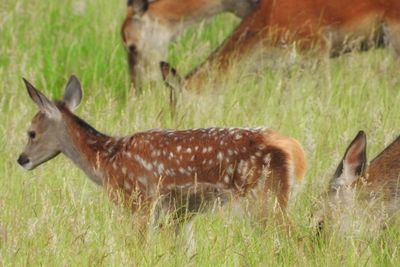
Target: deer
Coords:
[[276, 28], [160, 169], [362, 190], [149, 27]]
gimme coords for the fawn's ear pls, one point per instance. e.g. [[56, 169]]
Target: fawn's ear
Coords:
[[139, 7], [353, 163], [44, 104], [170, 76], [73, 93]]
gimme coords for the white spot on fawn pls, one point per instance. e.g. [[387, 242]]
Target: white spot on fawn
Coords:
[[238, 136], [148, 166], [143, 180], [229, 170], [189, 150], [160, 168], [170, 172], [261, 147], [127, 185], [108, 141], [267, 159], [123, 170], [226, 179], [178, 149], [220, 156], [154, 153]]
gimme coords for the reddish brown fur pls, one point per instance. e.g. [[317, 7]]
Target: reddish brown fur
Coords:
[[383, 172], [375, 186], [228, 159], [213, 164], [176, 10], [149, 27], [308, 23]]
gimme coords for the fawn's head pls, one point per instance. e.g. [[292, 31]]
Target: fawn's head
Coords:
[[46, 132], [355, 179], [146, 34], [340, 191]]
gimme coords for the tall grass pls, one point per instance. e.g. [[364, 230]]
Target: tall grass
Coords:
[[55, 216]]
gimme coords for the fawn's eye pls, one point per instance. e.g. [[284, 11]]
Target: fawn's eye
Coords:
[[31, 134]]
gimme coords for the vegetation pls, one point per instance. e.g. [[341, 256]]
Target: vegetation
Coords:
[[54, 216]]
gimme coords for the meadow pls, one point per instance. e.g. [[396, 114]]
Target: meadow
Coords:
[[55, 216]]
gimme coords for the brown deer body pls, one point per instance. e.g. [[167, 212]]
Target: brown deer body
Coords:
[[374, 186], [334, 27], [150, 26], [138, 169]]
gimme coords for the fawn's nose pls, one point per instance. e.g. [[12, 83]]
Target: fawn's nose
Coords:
[[23, 160]]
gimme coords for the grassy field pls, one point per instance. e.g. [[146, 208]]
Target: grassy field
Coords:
[[54, 216]]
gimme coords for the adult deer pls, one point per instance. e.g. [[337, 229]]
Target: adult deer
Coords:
[[150, 26], [358, 186], [331, 27], [198, 166]]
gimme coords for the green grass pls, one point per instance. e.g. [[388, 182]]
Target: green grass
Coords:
[[55, 216]]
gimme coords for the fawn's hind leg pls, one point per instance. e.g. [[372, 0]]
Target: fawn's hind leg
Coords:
[[280, 187]]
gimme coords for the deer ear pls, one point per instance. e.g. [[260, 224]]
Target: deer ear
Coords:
[[171, 78], [139, 7], [73, 93], [353, 163], [42, 101]]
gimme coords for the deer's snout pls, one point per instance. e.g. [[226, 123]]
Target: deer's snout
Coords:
[[23, 160]]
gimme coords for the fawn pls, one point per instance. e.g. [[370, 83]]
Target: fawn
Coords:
[[374, 186], [198, 165], [150, 26]]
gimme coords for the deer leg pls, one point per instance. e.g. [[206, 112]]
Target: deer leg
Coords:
[[281, 189], [188, 234], [158, 215]]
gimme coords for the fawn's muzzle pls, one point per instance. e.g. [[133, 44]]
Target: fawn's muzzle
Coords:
[[23, 160]]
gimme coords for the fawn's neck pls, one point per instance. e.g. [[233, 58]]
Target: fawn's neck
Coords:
[[86, 147]]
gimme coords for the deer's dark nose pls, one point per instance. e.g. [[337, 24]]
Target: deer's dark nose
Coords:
[[22, 160]]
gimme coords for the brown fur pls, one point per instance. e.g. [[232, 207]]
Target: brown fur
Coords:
[[147, 33], [383, 172], [359, 187], [332, 26], [212, 165], [206, 168]]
